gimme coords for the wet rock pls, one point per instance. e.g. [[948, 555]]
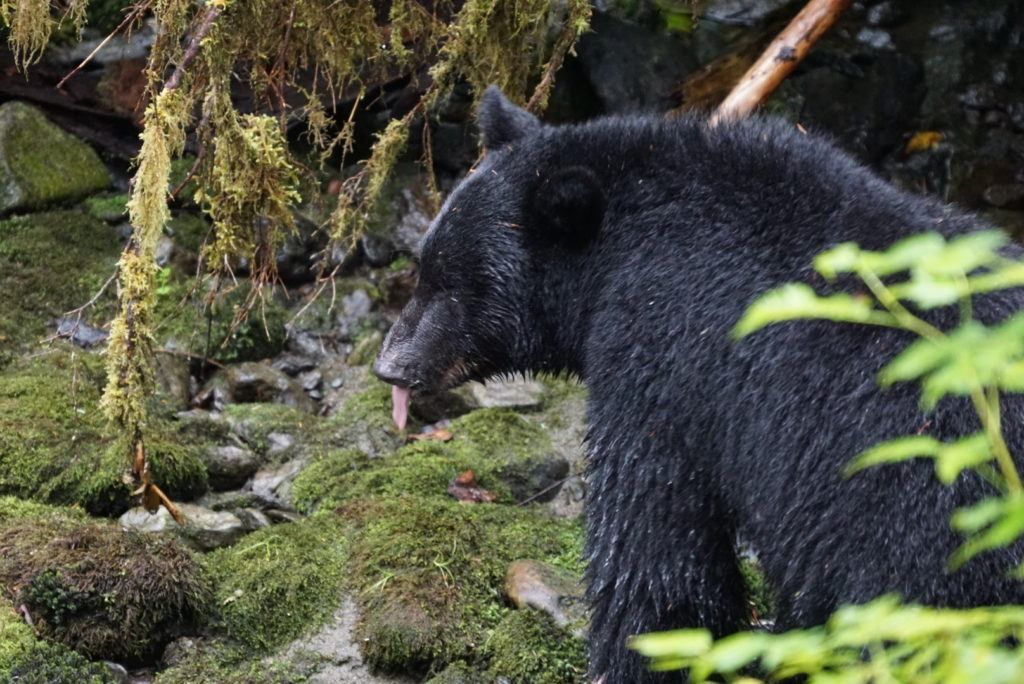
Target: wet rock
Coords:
[[377, 250], [252, 519], [230, 500], [743, 12], [80, 334], [292, 363], [203, 529], [537, 480], [311, 380], [876, 38], [274, 483], [631, 68], [229, 467], [431, 408], [886, 14], [517, 394], [550, 589], [252, 382], [279, 443], [337, 652], [1005, 196], [117, 672], [40, 164]]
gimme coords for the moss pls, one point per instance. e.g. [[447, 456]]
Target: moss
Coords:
[[12, 508], [459, 673], [759, 594], [101, 591], [55, 446], [499, 446], [529, 647], [365, 349], [364, 422], [281, 582], [40, 164], [189, 231], [26, 658], [253, 422], [219, 663], [50, 263], [430, 573], [189, 319], [108, 208]]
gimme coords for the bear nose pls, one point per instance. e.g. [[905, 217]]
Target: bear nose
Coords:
[[387, 371]]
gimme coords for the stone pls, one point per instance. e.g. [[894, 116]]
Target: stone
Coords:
[[40, 164], [1005, 195], [876, 38], [81, 334], [742, 12], [204, 529], [550, 589], [273, 484], [173, 379], [253, 519], [253, 381], [117, 672], [229, 466], [292, 363], [377, 250], [518, 393], [886, 14]]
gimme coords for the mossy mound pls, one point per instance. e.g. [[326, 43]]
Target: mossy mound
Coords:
[[430, 573], [25, 658], [529, 647], [280, 582], [103, 592], [503, 449], [50, 263], [54, 445], [40, 164], [191, 318]]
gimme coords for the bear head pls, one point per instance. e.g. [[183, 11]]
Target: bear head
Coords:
[[480, 306]]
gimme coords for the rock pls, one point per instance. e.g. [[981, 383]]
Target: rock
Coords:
[[311, 380], [377, 250], [117, 672], [548, 588], [95, 45], [431, 408], [742, 12], [631, 68], [80, 334], [231, 500], [887, 14], [274, 483], [338, 652], [876, 38], [279, 443], [173, 379], [1005, 195], [164, 251], [253, 381], [229, 466], [179, 650], [40, 164], [517, 394], [292, 363], [204, 529], [252, 519]]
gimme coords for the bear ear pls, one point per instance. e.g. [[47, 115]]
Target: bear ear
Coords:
[[568, 205], [501, 122]]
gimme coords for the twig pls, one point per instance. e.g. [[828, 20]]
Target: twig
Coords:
[[192, 50], [189, 355], [780, 58], [132, 16], [544, 491]]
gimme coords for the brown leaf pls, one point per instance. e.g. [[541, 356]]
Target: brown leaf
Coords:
[[464, 488], [922, 141], [441, 435]]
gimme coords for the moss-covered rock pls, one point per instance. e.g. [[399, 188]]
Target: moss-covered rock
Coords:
[[222, 663], [510, 456], [26, 658], [50, 263], [430, 573], [103, 592], [108, 208], [527, 646], [40, 164], [55, 445], [280, 582]]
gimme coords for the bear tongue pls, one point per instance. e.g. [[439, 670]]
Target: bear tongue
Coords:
[[400, 405]]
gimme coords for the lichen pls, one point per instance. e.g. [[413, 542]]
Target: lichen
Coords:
[[101, 591], [280, 582]]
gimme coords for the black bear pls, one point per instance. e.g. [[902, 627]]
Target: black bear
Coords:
[[622, 251]]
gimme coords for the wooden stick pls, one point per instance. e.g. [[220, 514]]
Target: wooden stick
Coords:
[[780, 58]]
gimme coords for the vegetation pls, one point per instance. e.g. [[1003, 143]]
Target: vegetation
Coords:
[[884, 640]]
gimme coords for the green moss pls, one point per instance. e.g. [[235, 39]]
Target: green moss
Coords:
[[529, 647], [189, 231], [108, 208], [40, 164], [51, 263], [55, 446], [280, 582], [257, 420], [430, 573], [98, 590], [187, 318], [26, 658], [759, 594], [365, 349], [364, 422], [218, 663], [13, 508], [459, 673]]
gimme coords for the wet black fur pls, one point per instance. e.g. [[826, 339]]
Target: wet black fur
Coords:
[[630, 273]]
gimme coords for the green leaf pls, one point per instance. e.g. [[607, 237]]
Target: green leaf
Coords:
[[954, 458], [894, 451], [797, 300], [680, 643], [979, 515], [919, 358], [1009, 275], [736, 651], [965, 253], [904, 254], [1003, 530], [842, 258]]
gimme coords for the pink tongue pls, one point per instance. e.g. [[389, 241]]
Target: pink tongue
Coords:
[[400, 405]]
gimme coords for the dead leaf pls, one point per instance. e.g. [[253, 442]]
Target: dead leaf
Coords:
[[922, 141], [465, 489], [441, 435]]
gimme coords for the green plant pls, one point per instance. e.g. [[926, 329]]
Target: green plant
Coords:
[[885, 641]]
